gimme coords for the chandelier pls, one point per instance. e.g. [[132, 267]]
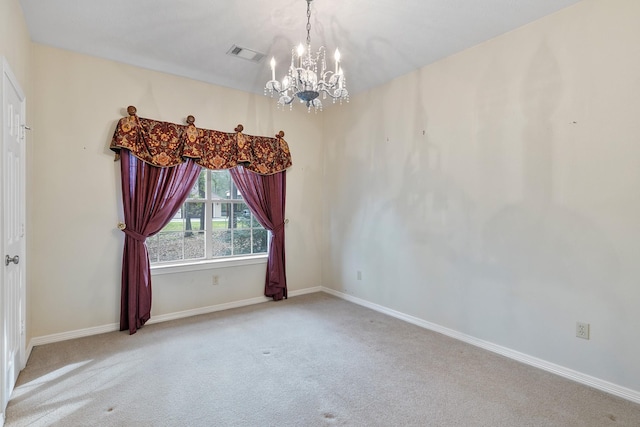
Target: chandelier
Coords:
[[308, 76]]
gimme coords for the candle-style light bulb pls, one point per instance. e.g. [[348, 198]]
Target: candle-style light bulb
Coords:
[[273, 68], [300, 53], [337, 58], [340, 78]]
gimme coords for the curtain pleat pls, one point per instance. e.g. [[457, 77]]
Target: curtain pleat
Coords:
[[151, 196], [265, 196]]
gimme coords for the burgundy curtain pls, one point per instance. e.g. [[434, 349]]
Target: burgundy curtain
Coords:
[[151, 196], [265, 196], [160, 164]]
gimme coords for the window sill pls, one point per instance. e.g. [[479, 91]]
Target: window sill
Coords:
[[209, 264]]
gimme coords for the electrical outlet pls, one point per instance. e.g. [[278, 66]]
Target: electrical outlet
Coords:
[[215, 280], [359, 275], [582, 330]]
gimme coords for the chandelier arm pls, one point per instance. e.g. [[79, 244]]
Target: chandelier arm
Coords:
[[327, 77], [331, 95]]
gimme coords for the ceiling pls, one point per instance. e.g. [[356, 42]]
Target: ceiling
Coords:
[[379, 40]]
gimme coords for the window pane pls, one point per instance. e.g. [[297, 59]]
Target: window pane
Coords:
[[219, 219], [170, 246], [259, 241], [152, 248], [221, 243], [176, 246], [220, 185], [177, 222], [242, 242], [225, 220], [235, 193], [225, 209], [255, 223], [198, 191], [194, 245], [216, 210], [194, 216], [242, 215]]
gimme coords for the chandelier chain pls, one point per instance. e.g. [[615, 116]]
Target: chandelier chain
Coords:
[[308, 22]]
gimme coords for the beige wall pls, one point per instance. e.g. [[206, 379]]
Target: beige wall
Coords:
[[76, 258], [515, 213], [15, 41]]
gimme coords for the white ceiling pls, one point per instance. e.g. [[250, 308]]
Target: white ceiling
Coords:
[[379, 40]]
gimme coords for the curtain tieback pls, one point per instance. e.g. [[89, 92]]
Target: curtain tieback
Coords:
[[279, 226], [134, 235]]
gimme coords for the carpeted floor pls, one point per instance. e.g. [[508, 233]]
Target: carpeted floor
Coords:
[[312, 360]]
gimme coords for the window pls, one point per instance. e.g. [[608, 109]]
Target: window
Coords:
[[214, 222]]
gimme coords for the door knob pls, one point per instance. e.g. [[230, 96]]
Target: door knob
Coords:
[[8, 260]]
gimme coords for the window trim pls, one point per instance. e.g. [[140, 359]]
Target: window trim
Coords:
[[207, 264]]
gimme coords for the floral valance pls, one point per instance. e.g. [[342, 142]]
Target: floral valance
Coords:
[[166, 144]]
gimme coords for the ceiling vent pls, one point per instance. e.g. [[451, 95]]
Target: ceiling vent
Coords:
[[244, 53]]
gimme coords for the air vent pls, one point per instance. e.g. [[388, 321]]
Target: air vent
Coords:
[[244, 53]]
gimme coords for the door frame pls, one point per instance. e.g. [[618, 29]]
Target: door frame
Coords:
[[8, 78]]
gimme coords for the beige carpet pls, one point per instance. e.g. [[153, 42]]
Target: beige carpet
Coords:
[[313, 360]]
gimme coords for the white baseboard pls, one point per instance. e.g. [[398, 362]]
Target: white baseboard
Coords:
[[205, 310], [80, 333], [579, 377], [225, 306]]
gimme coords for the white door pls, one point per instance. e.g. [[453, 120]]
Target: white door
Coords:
[[12, 295]]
